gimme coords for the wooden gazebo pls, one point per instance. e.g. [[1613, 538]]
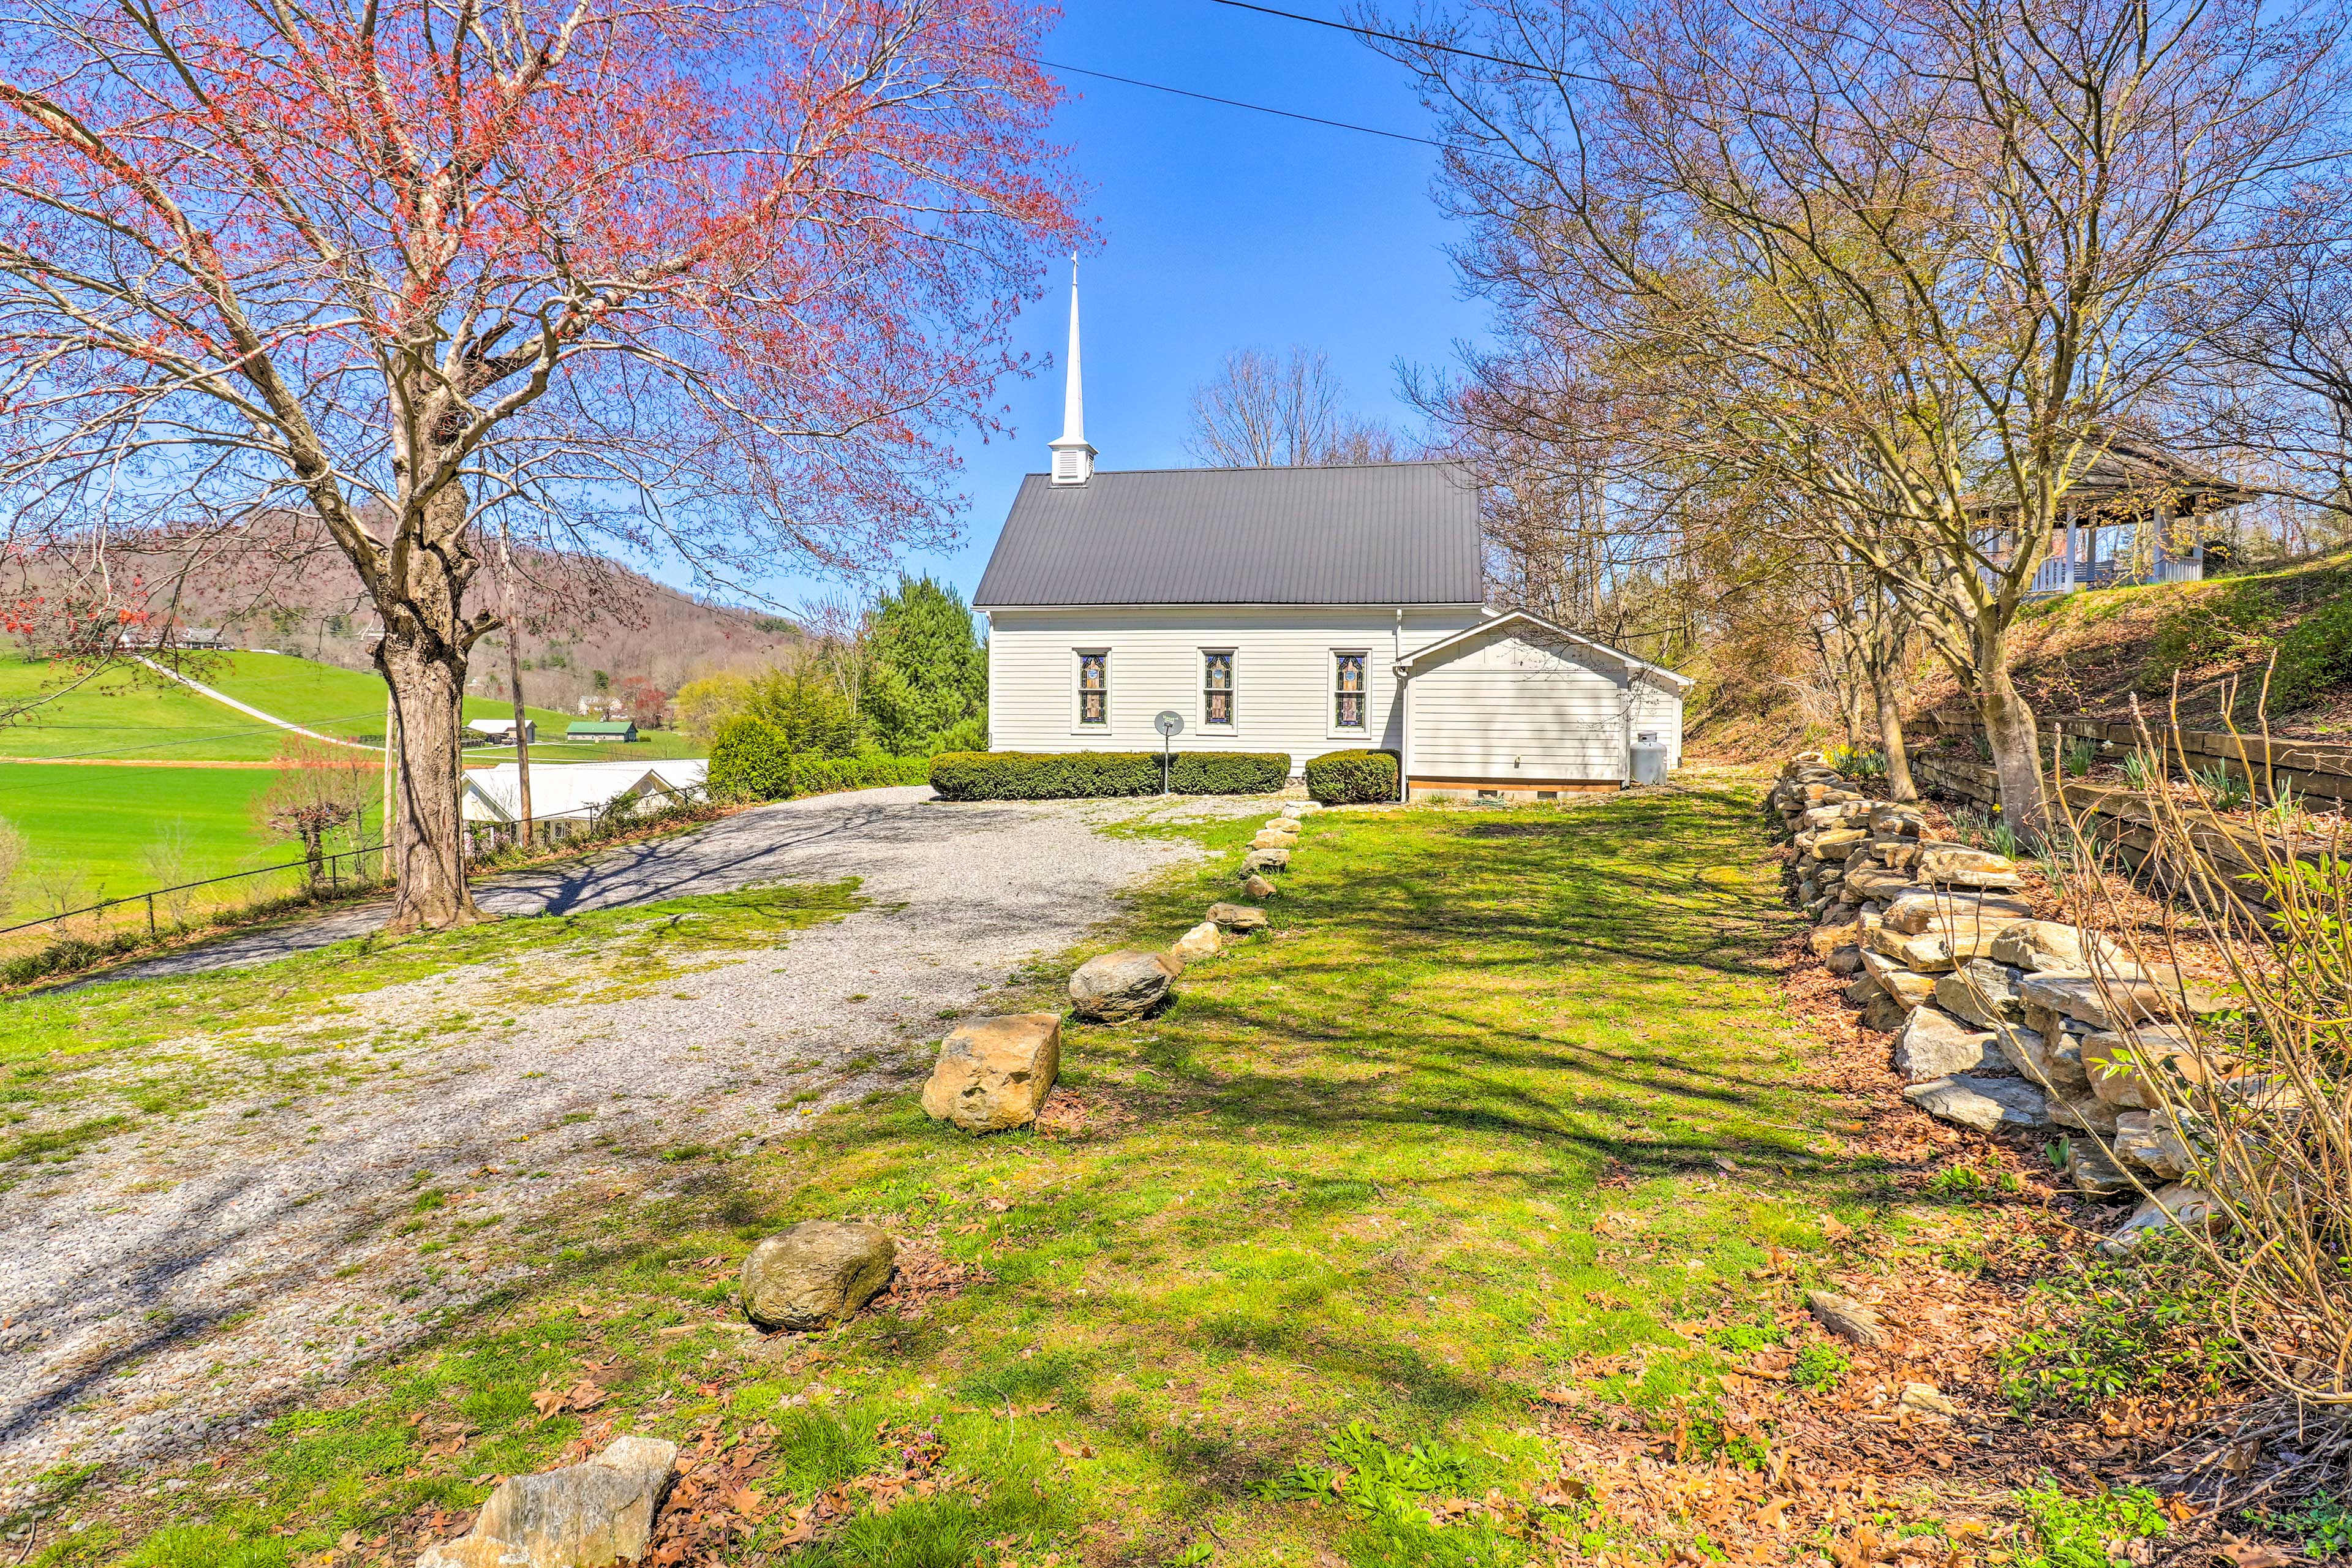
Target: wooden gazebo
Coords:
[[2135, 491]]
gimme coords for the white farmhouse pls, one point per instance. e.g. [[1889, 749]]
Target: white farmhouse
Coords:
[[1298, 610]]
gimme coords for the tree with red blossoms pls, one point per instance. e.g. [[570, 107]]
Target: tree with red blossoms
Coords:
[[717, 281]]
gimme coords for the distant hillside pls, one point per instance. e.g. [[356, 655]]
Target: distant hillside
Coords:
[[627, 626]]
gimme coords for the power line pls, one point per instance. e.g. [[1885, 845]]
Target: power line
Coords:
[[1258, 108], [1409, 42]]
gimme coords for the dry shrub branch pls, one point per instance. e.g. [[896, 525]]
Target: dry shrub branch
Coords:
[[2254, 1089]]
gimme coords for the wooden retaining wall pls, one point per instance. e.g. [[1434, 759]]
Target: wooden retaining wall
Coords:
[[2117, 817], [2315, 768]]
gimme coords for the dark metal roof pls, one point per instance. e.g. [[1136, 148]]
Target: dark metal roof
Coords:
[[1382, 534], [2131, 474]]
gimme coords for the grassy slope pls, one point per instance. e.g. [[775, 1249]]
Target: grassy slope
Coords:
[[98, 823], [135, 715], [2092, 653], [1362, 1182]]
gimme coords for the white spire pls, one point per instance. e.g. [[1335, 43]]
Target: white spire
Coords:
[[1074, 460]]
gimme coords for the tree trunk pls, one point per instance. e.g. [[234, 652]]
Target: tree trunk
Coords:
[[1890, 734], [2009, 726], [427, 678]]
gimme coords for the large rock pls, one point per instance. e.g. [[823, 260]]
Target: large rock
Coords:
[[1920, 953], [582, 1516], [2103, 1001], [2049, 1057], [1839, 843], [2091, 1170], [1952, 866], [1301, 808], [816, 1274], [1917, 910], [2084, 1113], [1259, 888], [994, 1073], [1871, 882], [2037, 945], [1237, 917], [1202, 942], [1829, 936], [1907, 987], [2171, 1207], [2119, 1063], [1279, 825], [1983, 1103], [1885, 1013], [1258, 860], [1846, 1318], [1844, 960], [1935, 1044], [1119, 986], [1982, 992], [1887, 818], [1269, 839], [2152, 1140]]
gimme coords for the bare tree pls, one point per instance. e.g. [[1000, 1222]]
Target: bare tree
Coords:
[[1266, 413], [715, 281], [1899, 257], [319, 790], [2274, 339]]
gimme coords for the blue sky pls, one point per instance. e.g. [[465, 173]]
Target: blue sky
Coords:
[[1221, 229]]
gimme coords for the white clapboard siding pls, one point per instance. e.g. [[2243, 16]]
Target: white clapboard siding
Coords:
[[1283, 674], [1519, 706]]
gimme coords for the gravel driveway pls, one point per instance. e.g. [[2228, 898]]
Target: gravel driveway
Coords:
[[195, 1274]]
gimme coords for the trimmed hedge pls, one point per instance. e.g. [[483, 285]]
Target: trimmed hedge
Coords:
[[751, 758], [1353, 778], [1075, 775]]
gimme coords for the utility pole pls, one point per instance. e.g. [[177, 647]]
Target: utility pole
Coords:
[[514, 686]]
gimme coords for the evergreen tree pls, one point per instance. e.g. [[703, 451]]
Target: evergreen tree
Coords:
[[930, 673]]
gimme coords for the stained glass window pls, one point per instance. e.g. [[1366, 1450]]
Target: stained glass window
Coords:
[[1093, 689], [1216, 689], [1348, 700]]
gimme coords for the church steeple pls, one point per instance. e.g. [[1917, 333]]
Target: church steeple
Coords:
[[1074, 459]]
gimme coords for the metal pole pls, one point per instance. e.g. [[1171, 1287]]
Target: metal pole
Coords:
[[150, 917], [1165, 743]]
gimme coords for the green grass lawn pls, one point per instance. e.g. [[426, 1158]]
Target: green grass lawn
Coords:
[[1499, 1093], [106, 832]]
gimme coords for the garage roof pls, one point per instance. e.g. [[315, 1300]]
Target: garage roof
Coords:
[[1521, 619], [1376, 533]]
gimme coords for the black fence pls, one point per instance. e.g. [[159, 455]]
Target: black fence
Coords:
[[331, 879]]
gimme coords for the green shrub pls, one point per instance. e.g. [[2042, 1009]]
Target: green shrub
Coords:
[[1353, 778], [1078, 775], [751, 758], [1230, 772]]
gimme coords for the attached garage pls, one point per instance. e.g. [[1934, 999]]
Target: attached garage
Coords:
[[1518, 709]]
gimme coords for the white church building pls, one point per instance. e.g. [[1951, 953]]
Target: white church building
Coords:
[[1303, 610]]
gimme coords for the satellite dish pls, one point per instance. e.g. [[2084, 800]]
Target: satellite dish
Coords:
[[1169, 722]]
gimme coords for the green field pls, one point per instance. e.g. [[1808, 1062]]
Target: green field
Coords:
[[133, 714], [91, 828], [89, 832]]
